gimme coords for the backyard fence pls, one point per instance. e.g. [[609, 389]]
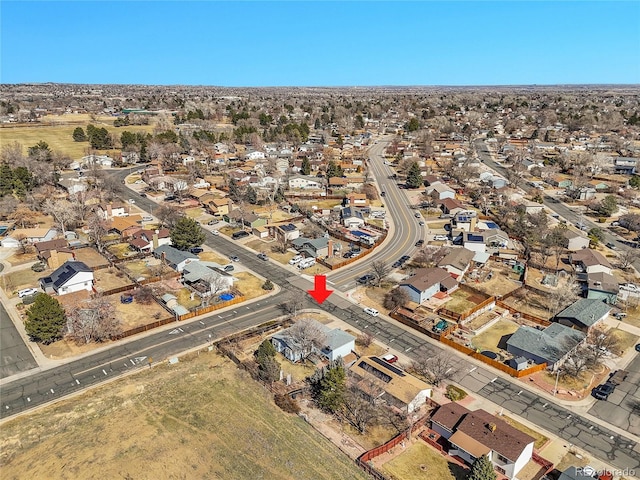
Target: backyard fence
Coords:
[[144, 328], [211, 308], [117, 289], [526, 316]]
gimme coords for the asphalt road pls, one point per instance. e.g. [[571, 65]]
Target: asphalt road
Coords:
[[16, 356], [407, 229], [37, 389]]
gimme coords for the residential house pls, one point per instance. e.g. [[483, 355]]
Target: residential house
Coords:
[[586, 193], [532, 207], [285, 232], [625, 165], [550, 345], [125, 226], [575, 241], [426, 282], [598, 185], [396, 387], [171, 301], [472, 434], [590, 261], [583, 314], [560, 181], [54, 252], [219, 207], [603, 286], [203, 196], [149, 240], [352, 217], [29, 235], [206, 278], [440, 191], [312, 247], [464, 220], [72, 183], [304, 182], [457, 262], [334, 344], [107, 211], [248, 219], [451, 206], [70, 277], [176, 259]]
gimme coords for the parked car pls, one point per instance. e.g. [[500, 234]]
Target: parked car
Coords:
[[228, 268], [240, 234], [234, 258], [213, 222], [440, 238], [27, 291], [390, 358], [419, 243], [602, 392], [382, 194], [629, 287], [365, 279], [295, 259], [421, 223], [417, 214], [196, 250], [371, 311], [637, 347], [143, 195], [263, 256], [147, 218], [215, 232], [611, 245]]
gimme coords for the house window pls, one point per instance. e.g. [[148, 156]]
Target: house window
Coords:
[[501, 470], [502, 458]]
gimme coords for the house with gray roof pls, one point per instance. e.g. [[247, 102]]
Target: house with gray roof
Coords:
[[206, 278], [176, 259], [351, 217], [311, 247], [584, 314], [335, 343], [550, 346], [70, 277]]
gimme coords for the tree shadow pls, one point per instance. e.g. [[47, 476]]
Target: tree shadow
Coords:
[[458, 472]]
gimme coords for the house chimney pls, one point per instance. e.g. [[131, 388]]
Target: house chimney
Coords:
[[330, 248], [109, 211], [155, 239], [473, 223], [352, 200], [492, 426]]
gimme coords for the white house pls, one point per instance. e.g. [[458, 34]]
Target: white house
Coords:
[[351, 217], [440, 191], [472, 434], [575, 241], [457, 262], [333, 344], [70, 277], [303, 182]]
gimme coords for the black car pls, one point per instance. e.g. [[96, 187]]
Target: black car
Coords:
[[638, 347], [143, 194], [239, 234], [419, 243], [196, 250], [602, 392], [404, 258], [397, 264], [382, 194], [365, 279], [234, 258]]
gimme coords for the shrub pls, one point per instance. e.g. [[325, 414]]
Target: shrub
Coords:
[[286, 403], [267, 285], [454, 393], [38, 267]]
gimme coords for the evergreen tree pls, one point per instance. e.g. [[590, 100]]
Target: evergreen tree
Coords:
[[269, 370], [334, 170], [24, 175], [45, 319], [235, 192], [414, 177], [412, 125], [250, 195], [305, 169], [266, 349], [186, 234], [79, 135], [482, 469], [6, 180], [328, 386]]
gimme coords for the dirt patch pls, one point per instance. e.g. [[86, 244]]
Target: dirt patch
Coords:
[[416, 460], [22, 258], [91, 257], [109, 278], [249, 285], [213, 257], [162, 422], [531, 302], [461, 301], [496, 279], [541, 440], [23, 278]]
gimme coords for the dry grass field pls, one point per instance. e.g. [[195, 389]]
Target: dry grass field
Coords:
[[249, 285], [19, 279], [461, 301], [419, 461], [90, 256], [213, 257], [200, 418], [57, 132], [494, 338], [107, 279], [541, 440], [533, 303]]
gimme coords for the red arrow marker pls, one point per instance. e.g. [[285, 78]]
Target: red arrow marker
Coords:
[[320, 292]]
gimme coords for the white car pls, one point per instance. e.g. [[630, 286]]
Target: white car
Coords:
[[630, 287], [442, 238], [147, 218], [27, 291], [215, 232], [295, 260], [371, 311]]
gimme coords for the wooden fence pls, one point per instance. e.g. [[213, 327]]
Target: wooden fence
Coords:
[[118, 289], [543, 462], [526, 316], [144, 328], [212, 308], [409, 322]]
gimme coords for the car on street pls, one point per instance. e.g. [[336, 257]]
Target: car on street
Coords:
[[417, 214], [215, 232], [371, 311], [27, 292], [419, 243], [637, 347], [296, 259], [421, 223], [234, 258], [147, 218], [382, 194], [404, 258], [611, 245], [213, 222], [602, 392], [143, 194], [228, 268], [263, 256], [396, 264], [365, 279], [240, 234]]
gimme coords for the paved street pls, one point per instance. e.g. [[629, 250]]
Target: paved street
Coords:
[[15, 356]]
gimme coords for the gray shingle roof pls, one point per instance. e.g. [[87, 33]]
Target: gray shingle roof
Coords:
[[173, 255], [586, 311], [551, 344]]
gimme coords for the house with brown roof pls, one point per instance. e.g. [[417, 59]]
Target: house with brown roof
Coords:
[[457, 262], [121, 224], [451, 206], [219, 206], [54, 252], [471, 434], [395, 386], [591, 261], [426, 282]]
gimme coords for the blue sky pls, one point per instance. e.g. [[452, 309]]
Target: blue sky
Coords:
[[330, 43]]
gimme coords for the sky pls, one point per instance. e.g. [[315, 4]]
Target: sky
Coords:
[[329, 43]]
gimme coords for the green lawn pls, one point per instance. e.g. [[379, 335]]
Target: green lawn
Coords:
[[420, 462]]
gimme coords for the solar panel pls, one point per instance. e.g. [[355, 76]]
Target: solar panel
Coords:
[[388, 366]]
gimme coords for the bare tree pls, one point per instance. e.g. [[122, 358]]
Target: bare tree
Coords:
[[430, 256], [628, 256], [98, 229], [61, 210], [217, 283], [396, 298], [436, 369], [600, 342], [144, 295], [94, 321], [359, 408], [24, 215], [291, 306], [307, 334], [168, 215], [380, 271]]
